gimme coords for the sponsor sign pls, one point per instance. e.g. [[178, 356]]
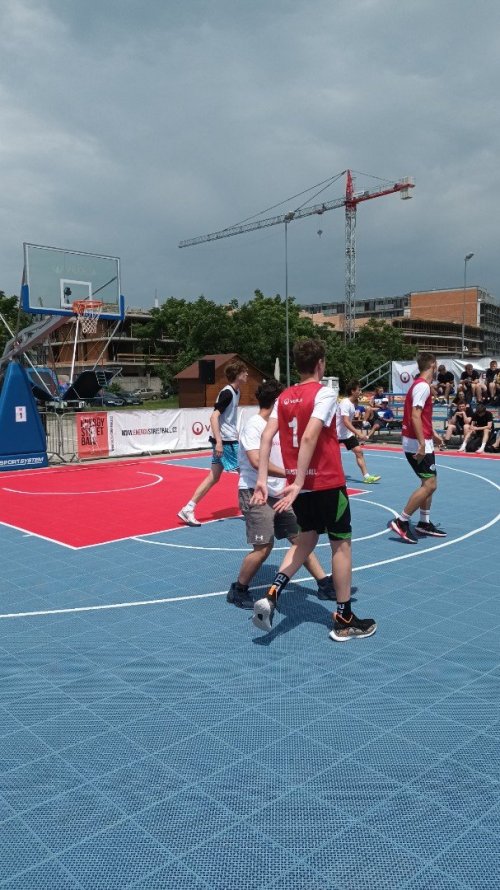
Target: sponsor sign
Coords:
[[121, 433], [92, 435]]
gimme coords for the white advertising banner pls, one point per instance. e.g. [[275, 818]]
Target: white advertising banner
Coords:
[[403, 373], [139, 432], [149, 432]]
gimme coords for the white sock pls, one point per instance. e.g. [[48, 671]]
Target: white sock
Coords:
[[425, 515], [190, 505]]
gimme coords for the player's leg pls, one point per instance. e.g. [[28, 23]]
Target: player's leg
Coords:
[[420, 499], [264, 608], [187, 513], [286, 526], [259, 524], [360, 460], [324, 582], [346, 625]]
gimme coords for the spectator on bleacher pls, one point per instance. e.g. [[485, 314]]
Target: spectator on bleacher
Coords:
[[492, 381], [360, 419], [385, 417], [445, 383], [377, 397], [470, 384], [480, 429], [459, 420]]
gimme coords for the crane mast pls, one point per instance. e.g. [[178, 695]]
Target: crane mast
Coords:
[[350, 202]]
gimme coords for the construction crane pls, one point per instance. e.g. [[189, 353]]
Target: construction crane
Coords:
[[350, 201]]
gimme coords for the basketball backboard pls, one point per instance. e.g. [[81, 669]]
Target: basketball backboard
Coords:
[[54, 278]]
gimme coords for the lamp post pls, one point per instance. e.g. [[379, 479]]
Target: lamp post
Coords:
[[288, 218], [467, 257]]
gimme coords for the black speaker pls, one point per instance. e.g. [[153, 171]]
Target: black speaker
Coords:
[[206, 371]]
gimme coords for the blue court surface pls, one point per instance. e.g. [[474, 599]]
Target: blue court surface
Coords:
[[151, 737]]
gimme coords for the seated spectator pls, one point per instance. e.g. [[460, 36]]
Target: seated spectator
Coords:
[[480, 430], [383, 418], [492, 381], [471, 384], [444, 385], [495, 446], [377, 397], [360, 418], [385, 415], [459, 420]]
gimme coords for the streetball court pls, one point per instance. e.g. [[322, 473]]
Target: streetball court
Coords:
[[151, 737]]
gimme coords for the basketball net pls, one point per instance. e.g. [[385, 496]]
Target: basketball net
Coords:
[[88, 311]]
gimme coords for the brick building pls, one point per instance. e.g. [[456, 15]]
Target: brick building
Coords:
[[428, 319]]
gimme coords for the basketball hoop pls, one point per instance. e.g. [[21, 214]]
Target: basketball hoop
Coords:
[[88, 311]]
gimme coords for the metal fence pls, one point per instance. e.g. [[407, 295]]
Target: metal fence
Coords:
[[60, 430]]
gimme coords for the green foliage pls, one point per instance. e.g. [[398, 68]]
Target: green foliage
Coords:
[[256, 331], [14, 316]]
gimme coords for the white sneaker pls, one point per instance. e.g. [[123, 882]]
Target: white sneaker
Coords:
[[480, 450], [263, 612], [462, 448], [188, 516]]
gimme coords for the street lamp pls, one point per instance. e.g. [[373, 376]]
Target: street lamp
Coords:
[[288, 218], [467, 257]]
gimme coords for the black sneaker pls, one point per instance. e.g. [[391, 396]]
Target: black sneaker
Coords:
[[428, 528], [239, 596], [347, 629], [325, 590], [404, 531]]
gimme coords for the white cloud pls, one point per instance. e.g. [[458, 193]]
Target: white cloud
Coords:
[[128, 126]]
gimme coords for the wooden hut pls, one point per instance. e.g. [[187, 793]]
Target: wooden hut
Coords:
[[200, 382]]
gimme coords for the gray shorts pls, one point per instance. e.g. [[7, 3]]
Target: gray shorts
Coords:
[[263, 524]]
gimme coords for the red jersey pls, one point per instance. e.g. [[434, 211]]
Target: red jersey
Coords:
[[295, 407], [408, 428]]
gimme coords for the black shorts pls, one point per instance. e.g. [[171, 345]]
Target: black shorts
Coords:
[[349, 443], [424, 468], [325, 512]]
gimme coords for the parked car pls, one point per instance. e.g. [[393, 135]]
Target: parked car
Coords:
[[109, 398], [106, 399], [130, 398], [147, 395]]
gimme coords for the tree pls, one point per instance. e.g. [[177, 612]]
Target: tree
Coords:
[[257, 331], [260, 330], [14, 316]]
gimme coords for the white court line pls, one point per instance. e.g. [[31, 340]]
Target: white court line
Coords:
[[200, 596], [177, 599], [75, 494], [143, 540]]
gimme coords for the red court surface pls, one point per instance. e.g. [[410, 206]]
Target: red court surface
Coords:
[[88, 505], [84, 506]]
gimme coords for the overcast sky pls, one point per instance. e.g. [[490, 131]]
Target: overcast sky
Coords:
[[129, 125]]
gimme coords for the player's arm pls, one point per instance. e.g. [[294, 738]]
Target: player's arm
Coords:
[[223, 401], [352, 429], [308, 443], [416, 419], [260, 493], [272, 470], [215, 427], [437, 438]]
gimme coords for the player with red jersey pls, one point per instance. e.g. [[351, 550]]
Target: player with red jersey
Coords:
[[304, 415], [419, 439]]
